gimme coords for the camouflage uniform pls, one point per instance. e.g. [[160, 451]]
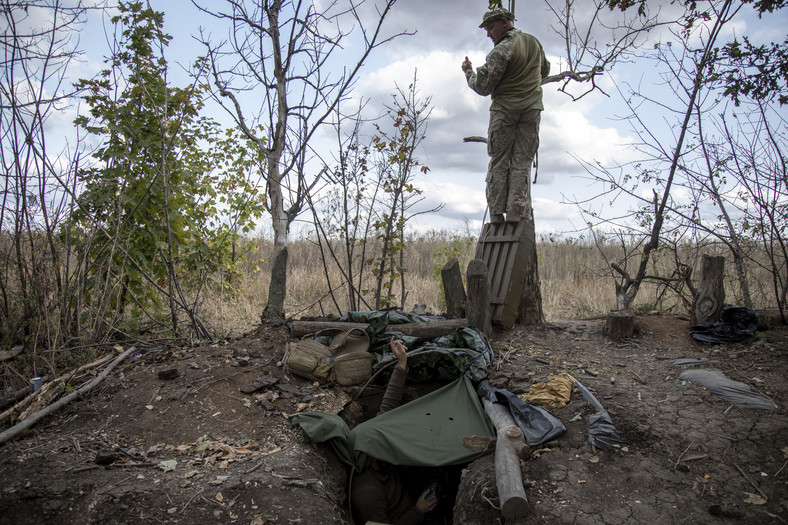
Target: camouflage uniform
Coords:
[[512, 74]]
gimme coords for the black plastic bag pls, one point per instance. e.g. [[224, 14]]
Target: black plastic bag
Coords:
[[602, 433], [736, 324], [537, 423]]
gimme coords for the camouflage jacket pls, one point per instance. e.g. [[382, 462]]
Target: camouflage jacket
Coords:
[[512, 73]]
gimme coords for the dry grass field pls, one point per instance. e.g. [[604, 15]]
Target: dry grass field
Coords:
[[575, 277]]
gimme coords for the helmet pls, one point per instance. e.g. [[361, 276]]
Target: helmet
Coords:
[[496, 14]]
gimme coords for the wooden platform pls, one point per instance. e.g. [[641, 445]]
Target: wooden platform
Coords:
[[502, 248]]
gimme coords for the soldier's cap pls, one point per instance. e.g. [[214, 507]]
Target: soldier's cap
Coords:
[[496, 14]]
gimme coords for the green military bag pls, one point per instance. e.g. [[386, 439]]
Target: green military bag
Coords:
[[345, 360], [352, 360], [309, 359]]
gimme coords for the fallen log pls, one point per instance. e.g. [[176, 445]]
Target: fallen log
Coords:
[[510, 447], [60, 403], [5, 355], [429, 330], [42, 397], [20, 406]]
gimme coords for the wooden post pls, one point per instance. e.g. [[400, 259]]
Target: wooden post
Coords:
[[510, 447], [620, 323], [453, 289], [477, 306], [529, 312], [710, 293]]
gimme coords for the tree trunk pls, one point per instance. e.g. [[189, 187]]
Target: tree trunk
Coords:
[[453, 289], [710, 294], [277, 290], [529, 312]]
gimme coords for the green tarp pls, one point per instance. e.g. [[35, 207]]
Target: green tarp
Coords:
[[428, 431]]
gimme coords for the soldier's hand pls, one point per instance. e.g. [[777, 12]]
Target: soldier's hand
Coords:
[[466, 64], [400, 352], [425, 505]]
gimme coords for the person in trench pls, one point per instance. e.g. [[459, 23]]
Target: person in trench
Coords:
[[378, 494]]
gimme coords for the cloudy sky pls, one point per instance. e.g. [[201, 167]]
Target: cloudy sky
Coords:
[[445, 32]]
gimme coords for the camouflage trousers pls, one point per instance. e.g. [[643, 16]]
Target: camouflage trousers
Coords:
[[512, 141]]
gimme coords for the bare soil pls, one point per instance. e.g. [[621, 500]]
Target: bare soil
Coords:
[[196, 449]]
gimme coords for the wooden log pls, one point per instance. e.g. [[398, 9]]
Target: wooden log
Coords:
[[43, 397], [709, 296], [510, 447], [5, 355], [453, 289], [63, 401], [477, 306], [19, 407], [429, 330], [620, 324]]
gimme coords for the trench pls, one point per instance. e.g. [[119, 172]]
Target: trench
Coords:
[[415, 479]]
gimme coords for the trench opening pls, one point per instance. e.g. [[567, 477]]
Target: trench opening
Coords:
[[414, 479]]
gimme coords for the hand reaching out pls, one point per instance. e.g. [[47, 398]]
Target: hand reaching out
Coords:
[[466, 64], [400, 352]]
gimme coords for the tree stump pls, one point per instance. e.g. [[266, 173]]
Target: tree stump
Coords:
[[453, 289], [477, 306], [710, 294], [620, 324]]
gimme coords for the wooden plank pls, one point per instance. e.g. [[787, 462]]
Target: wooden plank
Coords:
[[501, 246]]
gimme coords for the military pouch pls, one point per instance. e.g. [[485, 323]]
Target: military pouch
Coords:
[[309, 359], [352, 360], [352, 368]]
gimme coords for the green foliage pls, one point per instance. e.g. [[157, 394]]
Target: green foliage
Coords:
[[747, 70], [165, 215]]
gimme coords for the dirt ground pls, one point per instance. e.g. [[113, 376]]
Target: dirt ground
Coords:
[[197, 449]]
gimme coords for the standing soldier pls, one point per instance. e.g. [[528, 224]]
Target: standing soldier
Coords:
[[512, 74]]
